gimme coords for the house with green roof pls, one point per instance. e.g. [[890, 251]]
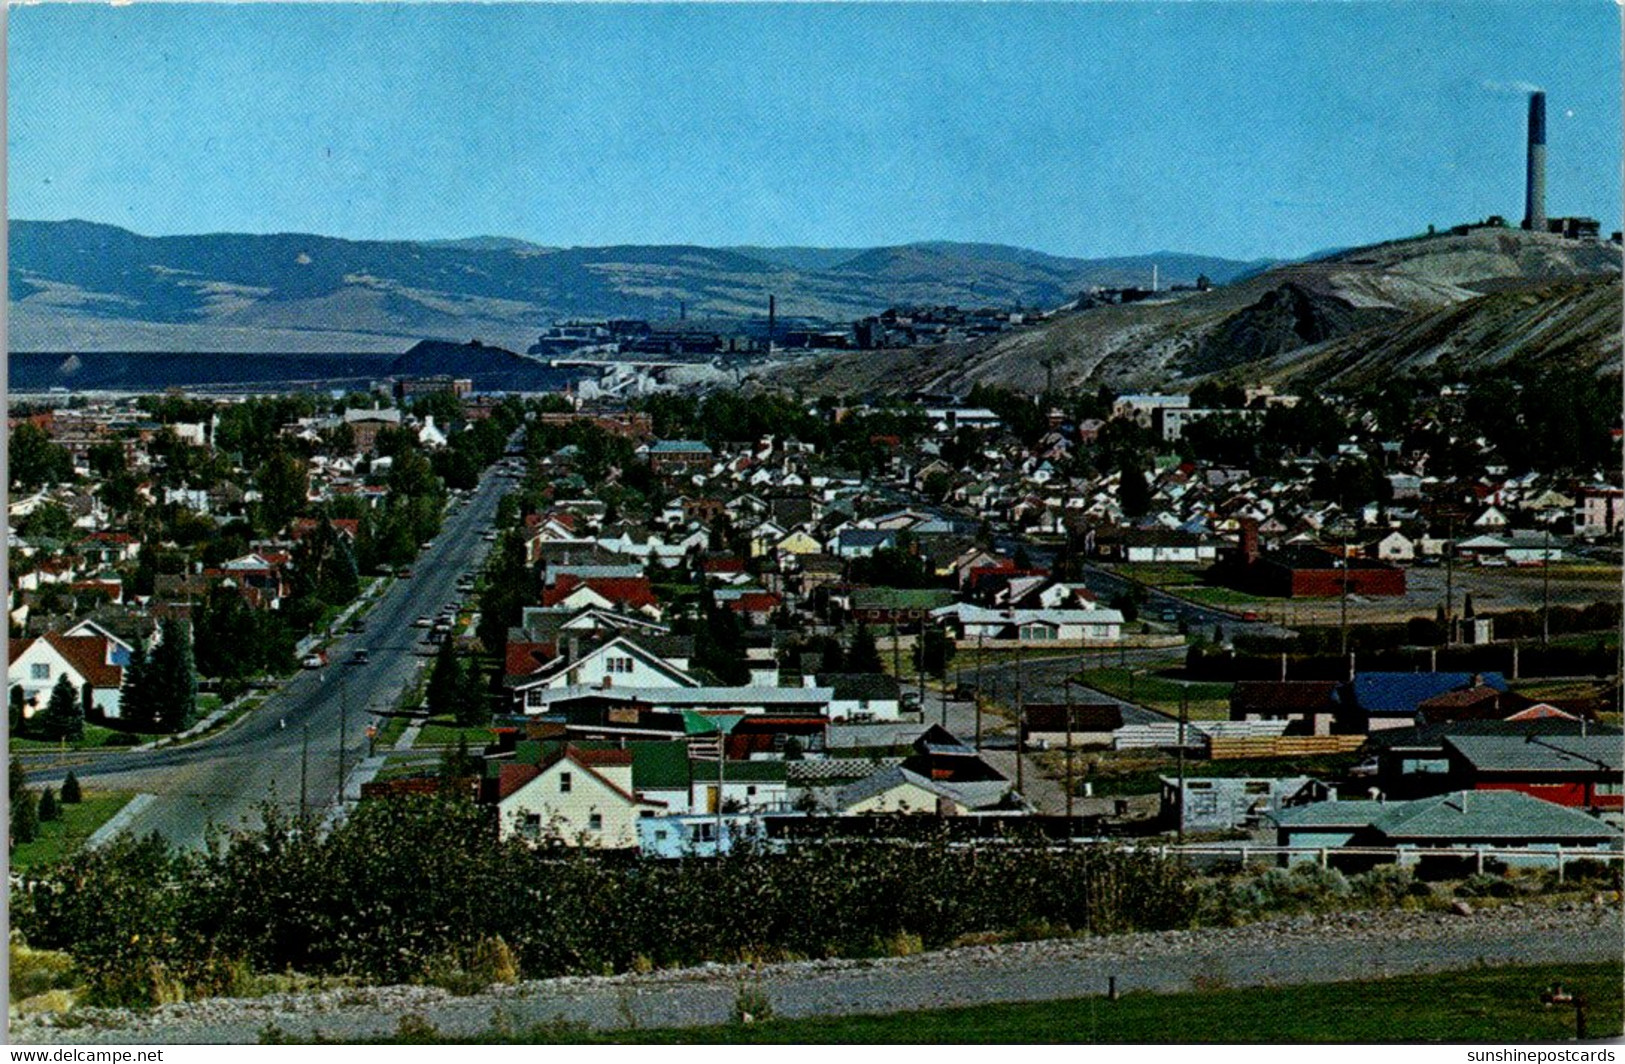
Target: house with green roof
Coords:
[[1484, 820]]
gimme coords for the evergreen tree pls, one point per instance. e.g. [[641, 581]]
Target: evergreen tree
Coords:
[[48, 809], [135, 700], [19, 780], [473, 707], [24, 818], [933, 652], [16, 711], [64, 715], [70, 790], [863, 655], [456, 764], [445, 682], [174, 678]]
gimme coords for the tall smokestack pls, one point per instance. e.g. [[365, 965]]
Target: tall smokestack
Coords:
[[1534, 209]]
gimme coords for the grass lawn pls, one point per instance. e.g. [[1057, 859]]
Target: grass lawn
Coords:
[[444, 731], [78, 823], [1205, 701], [1494, 1005], [95, 738], [1220, 596], [391, 731], [1164, 576]]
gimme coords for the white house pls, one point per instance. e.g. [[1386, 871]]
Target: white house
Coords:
[[621, 662], [94, 659], [579, 797], [1031, 626]]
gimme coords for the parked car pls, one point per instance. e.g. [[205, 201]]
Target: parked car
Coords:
[[313, 661], [358, 625], [404, 572], [359, 656], [422, 621]]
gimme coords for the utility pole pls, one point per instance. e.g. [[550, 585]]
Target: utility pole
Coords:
[[920, 651], [1344, 604], [979, 637], [1183, 716], [1069, 756], [1546, 592], [344, 731], [896, 651], [1021, 716], [1450, 583]]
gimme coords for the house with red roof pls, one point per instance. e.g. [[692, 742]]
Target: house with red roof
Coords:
[[96, 660], [574, 795], [613, 592]]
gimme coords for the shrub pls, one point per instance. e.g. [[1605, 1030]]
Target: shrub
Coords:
[[48, 809], [35, 971], [70, 790], [751, 1005], [1485, 886]]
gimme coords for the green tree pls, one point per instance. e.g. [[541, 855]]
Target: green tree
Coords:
[[48, 808], [174, 678], [18, 781], [863, 655], [933, 652], [17, 718], [70, 790], [64, 714], [35, 461], [24, 817], [445, 682], [136, 707], [473, 707]]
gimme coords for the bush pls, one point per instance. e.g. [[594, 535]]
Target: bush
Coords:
[[48, 809], [1485, 885], [70, 790], [36, 971], [401, 892]]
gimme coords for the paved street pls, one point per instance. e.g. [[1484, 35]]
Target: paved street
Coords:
[[225, 779]]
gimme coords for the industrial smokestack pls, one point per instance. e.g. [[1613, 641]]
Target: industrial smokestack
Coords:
[[1534, 210]]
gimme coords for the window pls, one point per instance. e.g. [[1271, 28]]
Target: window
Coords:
[[531, 824], [564, 783], [595, 822], [535, 698], [660, 834], [1256, 787], [1610, 789], [618, 665], [40, 671]]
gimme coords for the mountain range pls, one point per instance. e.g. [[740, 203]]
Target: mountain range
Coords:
[[1461, 301], [85, 286]]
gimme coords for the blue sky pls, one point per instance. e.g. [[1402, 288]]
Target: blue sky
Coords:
[[1083, 129]]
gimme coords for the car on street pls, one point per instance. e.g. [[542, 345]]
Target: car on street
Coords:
[[359, 656], [422, 621], [313, 661], [404, 572]]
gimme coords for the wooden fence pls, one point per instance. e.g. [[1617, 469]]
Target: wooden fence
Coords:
[[1229, 749]]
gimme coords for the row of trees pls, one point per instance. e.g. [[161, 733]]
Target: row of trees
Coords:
[[29, 810]]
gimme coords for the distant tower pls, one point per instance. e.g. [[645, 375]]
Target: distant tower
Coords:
[[772, 315], [1534, 208]]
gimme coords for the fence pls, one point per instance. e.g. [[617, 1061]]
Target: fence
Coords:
[[1225, 749], [1558, 856]]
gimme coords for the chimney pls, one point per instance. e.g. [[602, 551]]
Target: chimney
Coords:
[[1534, 211], [1249, 540]]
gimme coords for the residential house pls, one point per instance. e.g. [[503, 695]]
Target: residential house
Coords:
[[1498, 820], [95, 660], [574, 796]]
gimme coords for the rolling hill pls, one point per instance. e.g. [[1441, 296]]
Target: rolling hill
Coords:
[[1485, 298], [86, 286]]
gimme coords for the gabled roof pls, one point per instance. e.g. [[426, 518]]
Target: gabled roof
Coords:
[[87, 654]]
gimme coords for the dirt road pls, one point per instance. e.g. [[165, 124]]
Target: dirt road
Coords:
[[1282, 951]]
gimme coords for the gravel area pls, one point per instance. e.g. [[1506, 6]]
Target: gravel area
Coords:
[[1276, 952]]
